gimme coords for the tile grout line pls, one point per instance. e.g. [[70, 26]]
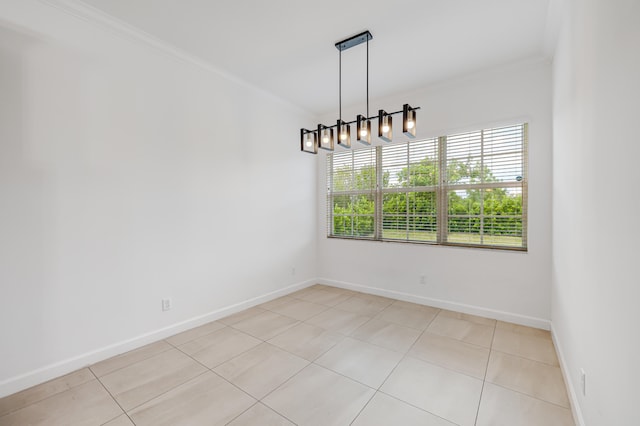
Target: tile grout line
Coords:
[[484, 380], [244, 411], [416, 407], [261, 400], [233, 357], [133, 363], [236, 386], [326, 307], [167, 391], [331, 307], [47, 397], [426, 331], [267, 342], [162, 393], [363, 408], [261, 403], [233, 384], [114, 400], [320, 366], [530, 396], [406, 354], [525, 358], [457, 340], [344, 336], [212, 371], [275, 335], [399, 361], [408, 350]]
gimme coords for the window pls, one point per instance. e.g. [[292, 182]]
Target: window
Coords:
[[464, 189]]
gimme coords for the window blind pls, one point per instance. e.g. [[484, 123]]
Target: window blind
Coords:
[[461, 189]]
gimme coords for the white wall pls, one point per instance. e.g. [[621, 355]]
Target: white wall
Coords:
[[509, 285], [128, 175], [595, 291]]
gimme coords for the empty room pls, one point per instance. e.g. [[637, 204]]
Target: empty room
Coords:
[[319, 213]]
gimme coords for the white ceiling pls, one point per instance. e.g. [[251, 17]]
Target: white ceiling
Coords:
[[287, 46]]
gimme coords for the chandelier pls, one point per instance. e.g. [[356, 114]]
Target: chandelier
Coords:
[[324, 136]]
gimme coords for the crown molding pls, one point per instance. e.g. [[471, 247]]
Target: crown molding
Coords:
[[98, 18], [557, 12], [120, 28]]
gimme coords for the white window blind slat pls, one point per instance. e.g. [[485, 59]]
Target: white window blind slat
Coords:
[[394, 192]]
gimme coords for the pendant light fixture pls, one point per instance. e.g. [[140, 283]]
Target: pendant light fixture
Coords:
[[385, 126], [364, 129], [326, 137], [409, 121], [323, 136], [308, 141]]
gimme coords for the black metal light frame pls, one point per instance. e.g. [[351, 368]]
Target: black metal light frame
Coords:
[[360, 121], [366, 139], [409, 115], [384, 118], [303, 141], [346, 142], [321, 144]]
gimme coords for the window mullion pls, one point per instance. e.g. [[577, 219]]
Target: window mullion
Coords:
[[378, 197], [330, 190], [406, 198], [441, 191], [470, 167], [525, 184], [482, 191]]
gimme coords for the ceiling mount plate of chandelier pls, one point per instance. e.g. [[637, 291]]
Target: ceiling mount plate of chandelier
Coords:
[[324, 137]]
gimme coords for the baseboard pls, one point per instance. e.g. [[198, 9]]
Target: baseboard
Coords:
[[443, 304], [573, 395], [41, 375]]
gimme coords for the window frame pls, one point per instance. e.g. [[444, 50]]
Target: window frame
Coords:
[[441, 189]]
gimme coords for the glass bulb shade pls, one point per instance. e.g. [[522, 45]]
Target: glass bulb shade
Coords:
[[409, 121], [385, 126], [326, 137], [308, 141], [344, 134], [363, 130]]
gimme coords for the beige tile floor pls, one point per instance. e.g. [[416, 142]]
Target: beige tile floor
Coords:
[[321, 356]]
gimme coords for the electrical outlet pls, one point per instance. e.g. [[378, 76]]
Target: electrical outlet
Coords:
[[583, 381], [166, 304], [423, 279]]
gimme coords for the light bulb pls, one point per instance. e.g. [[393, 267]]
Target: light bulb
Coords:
[[308, 143], [363, 132], [343, 136], [325, 139], [385, 124], [410, 124]]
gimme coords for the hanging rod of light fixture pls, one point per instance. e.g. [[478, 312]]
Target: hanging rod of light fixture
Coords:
[[324, 136]]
